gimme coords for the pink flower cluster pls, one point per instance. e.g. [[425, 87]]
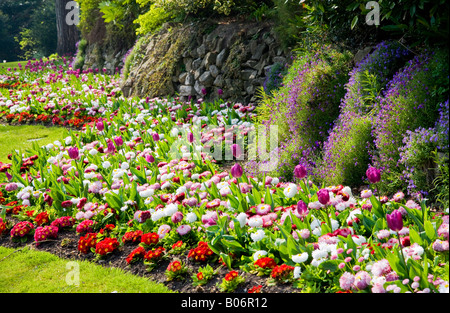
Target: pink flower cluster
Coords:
[[43, 233], [21, 229]]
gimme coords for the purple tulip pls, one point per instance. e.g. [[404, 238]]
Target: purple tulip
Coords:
[[73, 153], [237, 171], [100, 126], [302, 208], [323, 196], [204, 92], [149, 158], [155, 137], [373, 175], [190, 137], [394, 220], [111, 148], [219, 92], [237, 151], [300, 171], [118, 141]]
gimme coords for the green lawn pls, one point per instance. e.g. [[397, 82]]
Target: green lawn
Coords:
[[22, 137], [11, 65], [30, 271]]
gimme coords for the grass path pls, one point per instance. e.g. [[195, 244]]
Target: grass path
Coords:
[[11, 65], [22, 137], [29, 271]]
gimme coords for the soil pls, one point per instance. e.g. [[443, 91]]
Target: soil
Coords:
[[65, 246]]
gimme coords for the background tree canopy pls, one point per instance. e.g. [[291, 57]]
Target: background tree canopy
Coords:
[[27, 29]]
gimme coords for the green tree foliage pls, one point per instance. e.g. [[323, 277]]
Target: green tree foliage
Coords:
[[32, 23]]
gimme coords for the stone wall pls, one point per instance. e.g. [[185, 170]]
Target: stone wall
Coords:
[[101, 57], [224, 59]]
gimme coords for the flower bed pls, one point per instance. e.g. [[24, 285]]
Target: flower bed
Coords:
[[140, 181]]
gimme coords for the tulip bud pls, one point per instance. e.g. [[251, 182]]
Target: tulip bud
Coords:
[[236, 171], [323, 196], [73, 153], [300, 171], [394, 220], [373, 175]]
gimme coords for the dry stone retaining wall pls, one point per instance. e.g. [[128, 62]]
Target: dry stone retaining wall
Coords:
[[232, 58]]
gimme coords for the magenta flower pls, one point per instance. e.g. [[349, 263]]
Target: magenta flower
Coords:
[[300, 171], [302, 208], [66, 204], [73, 153], [118, 141], [237, 151], [236, 170], [373, 175], [190, 137], [100, 126], [111, 148], [149, 158], [177, 217], [155, 137], [323, 196], [395, 220]]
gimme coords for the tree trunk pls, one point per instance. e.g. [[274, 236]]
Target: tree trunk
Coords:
[[66, 19]]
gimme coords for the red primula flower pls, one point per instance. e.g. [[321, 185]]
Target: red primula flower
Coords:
[[154, 254], [132, 236], [150, 239], [281, 272], [136, 255], [231, 275], [265, 262], [85, 243], [106, 246], [200, 253], [42, 218]]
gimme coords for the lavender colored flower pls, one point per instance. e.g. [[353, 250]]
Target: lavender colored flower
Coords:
[[346, 281], [362, 280], [183, 230]]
